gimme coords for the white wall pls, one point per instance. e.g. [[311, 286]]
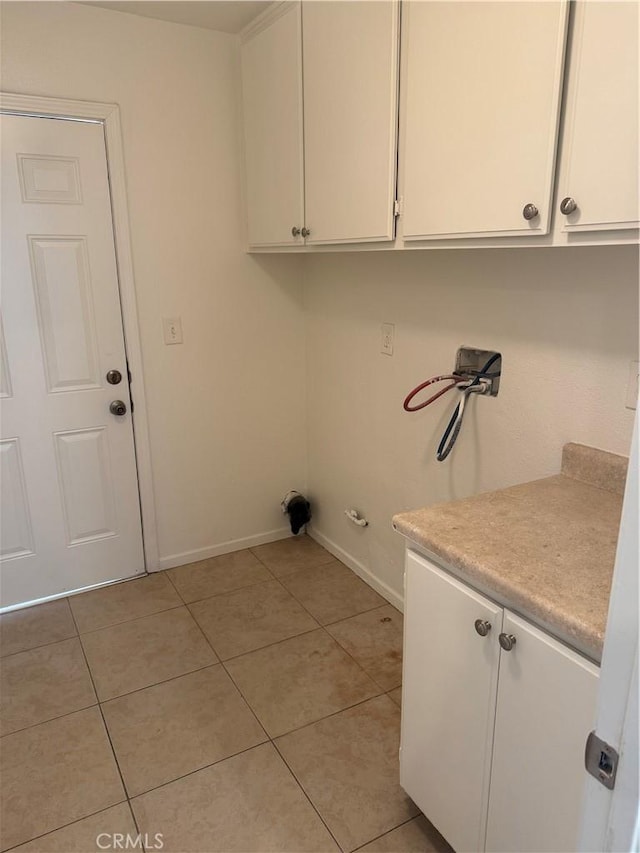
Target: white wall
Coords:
[[566, 322], [226, 410]]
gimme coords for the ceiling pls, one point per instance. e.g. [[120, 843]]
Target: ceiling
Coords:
[[229, 16]]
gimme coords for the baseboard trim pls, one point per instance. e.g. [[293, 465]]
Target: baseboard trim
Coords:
[[359, 568], [185, 557]]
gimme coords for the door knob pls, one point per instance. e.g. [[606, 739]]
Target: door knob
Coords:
[[295, 232], [507, 641], [305, 232], [568, 205], [118, 407], [529, 211], [114, 377], [482, 627]]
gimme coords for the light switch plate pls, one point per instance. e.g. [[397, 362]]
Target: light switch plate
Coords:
[[172, 330]]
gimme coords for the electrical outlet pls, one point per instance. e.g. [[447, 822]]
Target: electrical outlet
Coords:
[[172, 329], [386, 343], [632, 385]]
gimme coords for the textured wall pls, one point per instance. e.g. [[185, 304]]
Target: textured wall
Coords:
[[566, 322]]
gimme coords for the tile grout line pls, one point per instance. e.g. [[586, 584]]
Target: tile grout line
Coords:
[[382, 834], [308, 798], [132, 619], [40, 646], [65, 825], [107, 732], [52, 719]]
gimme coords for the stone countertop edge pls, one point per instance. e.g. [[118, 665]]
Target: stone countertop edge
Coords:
[[544, 549]]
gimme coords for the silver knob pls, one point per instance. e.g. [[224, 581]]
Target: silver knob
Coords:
[[295, 232], [530, 211], [114, 377], [118, 407], [482, 627], [507, 641], [305, 232], [568, 205]]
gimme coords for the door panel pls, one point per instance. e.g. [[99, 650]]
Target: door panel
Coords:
[[61, 279], [17, 537], [71, 516], [272, 109], [546, 709], [350, 119], [448, 701], [600, 154], [480, 116]]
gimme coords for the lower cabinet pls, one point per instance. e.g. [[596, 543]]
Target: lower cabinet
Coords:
[[492, 739]]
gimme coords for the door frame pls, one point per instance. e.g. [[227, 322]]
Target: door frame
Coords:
[[108, 115]]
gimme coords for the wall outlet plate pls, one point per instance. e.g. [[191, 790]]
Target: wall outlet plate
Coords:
[[470, 361], [386, 340]]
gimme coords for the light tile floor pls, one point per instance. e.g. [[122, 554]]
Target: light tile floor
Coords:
[[249, 702]]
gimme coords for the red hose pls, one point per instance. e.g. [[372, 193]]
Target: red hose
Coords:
[[418, 388]]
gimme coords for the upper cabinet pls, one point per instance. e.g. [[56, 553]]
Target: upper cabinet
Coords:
[[598, 188], [325, 72], [272, 108], [482, 86]]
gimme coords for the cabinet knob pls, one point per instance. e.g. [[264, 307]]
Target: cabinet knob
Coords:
[[295, 232], [305, 232], [530, 211], [507, 641], [568, 205], [482, 627]]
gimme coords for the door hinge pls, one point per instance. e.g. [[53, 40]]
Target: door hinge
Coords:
[[601, 760], [398, 206]]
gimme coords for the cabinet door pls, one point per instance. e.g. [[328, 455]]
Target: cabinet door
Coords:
[[480, 116], [448, 701], [600, 148], [272, 111], [350, 119], [546, 708]]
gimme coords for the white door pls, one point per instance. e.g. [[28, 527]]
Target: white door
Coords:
[[448, 701], [350, 119], [70, 506], [480, 114], [546, 708], [272, 109], [600, 150]]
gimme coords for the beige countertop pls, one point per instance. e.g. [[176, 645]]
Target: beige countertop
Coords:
[[545, 549]]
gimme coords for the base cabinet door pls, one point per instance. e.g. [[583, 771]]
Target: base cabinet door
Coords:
[[448, 701], [599, 183], [545, 710]]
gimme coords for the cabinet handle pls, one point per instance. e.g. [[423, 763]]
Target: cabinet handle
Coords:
[[295, 232], [305, 232], [568, 205], [482, 627], [507, 641], [530, 211]]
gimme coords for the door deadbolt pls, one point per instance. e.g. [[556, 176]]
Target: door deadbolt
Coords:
[[118, 407], [114, 377]]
